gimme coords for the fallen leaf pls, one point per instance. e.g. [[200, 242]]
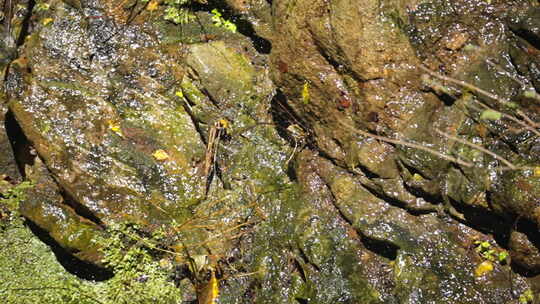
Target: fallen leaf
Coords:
[[160, 154], [47, 21], [209, 293], [224, 123], [305, 93], [152, 6], [115, 127], [483, 268], [417, 177], [490, 115]]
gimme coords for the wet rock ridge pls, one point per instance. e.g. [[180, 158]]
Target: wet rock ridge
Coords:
[[336, 152]]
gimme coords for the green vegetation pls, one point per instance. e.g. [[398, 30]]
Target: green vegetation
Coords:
[[177, 12], [41, 6], [526, 297], [490, 115], [486, 250], [139, 278], [219, 21], [12, 196], [30, 273]]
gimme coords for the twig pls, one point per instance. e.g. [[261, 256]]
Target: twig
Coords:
[[501, 168], [477, 147], [531, 123], [506, 73], [247, 274], [483, 92], [464, 84], [509, 166], [530, 127], [409, 144]]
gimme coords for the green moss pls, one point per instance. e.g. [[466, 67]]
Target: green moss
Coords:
[[526, 297], [30, 273], [219, 21], [295, 254], [176, 11], [11, 198]]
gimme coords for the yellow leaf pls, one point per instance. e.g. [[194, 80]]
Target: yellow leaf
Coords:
[[152, 6], [115, 127], [47, 21], [537, 171], [224, 123], [305, 93], [417, 177], [483, 268], [214, 286], [209, 293], [160, 155], [179, 94]]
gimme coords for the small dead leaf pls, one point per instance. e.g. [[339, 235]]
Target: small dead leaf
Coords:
[[490, 115], [165, 263], [115, 127], [224, 123], [160, 154], [483, 268], [152, 6], [209, 293], [305, 93], [482, 130], [417, 177], [47, 21]]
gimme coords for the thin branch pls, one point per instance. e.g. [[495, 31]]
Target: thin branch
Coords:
[[510, 117], [501, 168], [506, 73], [410, 145], [246, 274], [463, 84], [477, 147], [509, 166], [483, 92], [532, 123]]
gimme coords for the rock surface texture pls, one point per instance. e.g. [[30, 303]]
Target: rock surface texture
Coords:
[[339, 151]]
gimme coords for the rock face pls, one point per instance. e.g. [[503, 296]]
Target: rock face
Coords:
[[361, 161]]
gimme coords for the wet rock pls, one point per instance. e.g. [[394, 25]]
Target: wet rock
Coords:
[[359, 82], [526, 25], [215, 60], [8, 165], [348, 186], [97, 106], [44, 205], [524, 252], [257, 12], [519, 193], [427, 259]]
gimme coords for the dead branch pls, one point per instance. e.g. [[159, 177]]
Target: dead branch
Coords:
[[531, 124], [408, 144], [477, 147]]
